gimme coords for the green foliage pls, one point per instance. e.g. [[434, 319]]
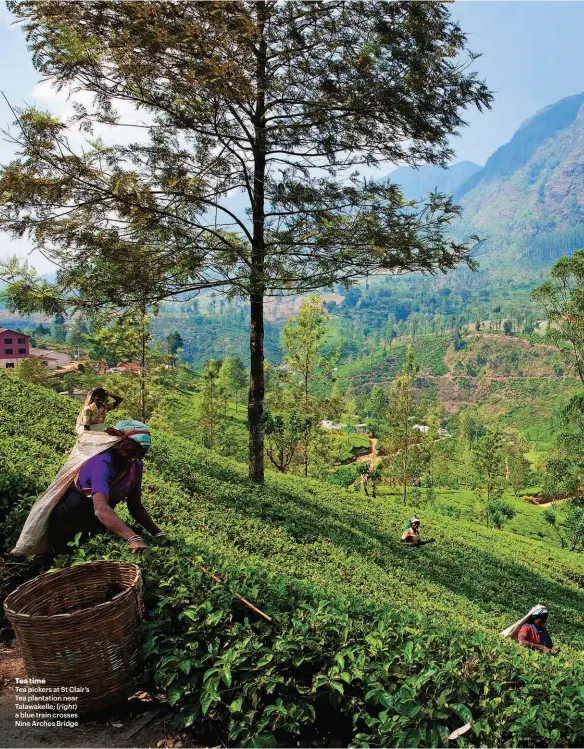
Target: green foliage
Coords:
[[562, 298], [377, 405], [400, 417], [489, 464], [574, 524], [283, 435], [370, 643], [125, 228], [119, 338], [343, 475], [458, 342], [233, 378], [36, 430], [33, 370], [428, 353], [302, 337], [561, 478], [174, 343], [550, 516], [499, 512], [211, 393]]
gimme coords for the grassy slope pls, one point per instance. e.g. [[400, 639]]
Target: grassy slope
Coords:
[[340, 546], [473, 576], [429, 354], [339, 539], [528, 521], [513, 382]]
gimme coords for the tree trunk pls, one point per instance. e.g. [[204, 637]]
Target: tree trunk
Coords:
[[255, 410], [307, 438], [143, 367]]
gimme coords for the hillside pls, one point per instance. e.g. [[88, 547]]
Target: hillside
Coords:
[[526, 201], [372, 642], [521, 382]]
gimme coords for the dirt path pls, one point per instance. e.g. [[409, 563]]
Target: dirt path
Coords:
[[372, 456], [545, 504], [133, 723]]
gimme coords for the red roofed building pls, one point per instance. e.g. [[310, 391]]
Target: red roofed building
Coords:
[[13, 347]]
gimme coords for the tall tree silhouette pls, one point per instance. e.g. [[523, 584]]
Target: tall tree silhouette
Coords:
[[277, 102]]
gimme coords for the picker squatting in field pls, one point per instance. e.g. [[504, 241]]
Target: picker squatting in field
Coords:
[[533, 634]]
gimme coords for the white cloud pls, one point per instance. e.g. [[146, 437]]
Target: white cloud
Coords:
[[61, 103], [23, 249]]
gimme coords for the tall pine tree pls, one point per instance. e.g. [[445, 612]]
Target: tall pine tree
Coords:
[[278, 103]]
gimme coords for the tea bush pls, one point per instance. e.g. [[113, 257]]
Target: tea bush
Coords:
[[371, 643]]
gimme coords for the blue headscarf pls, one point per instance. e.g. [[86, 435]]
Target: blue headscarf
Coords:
[[135, 430]]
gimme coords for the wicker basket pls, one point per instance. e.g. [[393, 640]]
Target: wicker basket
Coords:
[[78, 628]]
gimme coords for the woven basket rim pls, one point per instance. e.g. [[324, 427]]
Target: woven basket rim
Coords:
[[63, 617]]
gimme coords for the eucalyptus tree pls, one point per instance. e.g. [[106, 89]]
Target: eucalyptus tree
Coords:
[[277, 103]]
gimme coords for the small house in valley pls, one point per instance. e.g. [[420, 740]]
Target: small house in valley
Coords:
[[13, 347]]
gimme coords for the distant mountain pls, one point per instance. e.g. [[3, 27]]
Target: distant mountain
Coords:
[[417, 183], [528, 200], [523, 146]]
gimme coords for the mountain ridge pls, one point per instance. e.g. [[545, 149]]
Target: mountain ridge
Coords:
[[417, 182], [527, 201], [532, 133]]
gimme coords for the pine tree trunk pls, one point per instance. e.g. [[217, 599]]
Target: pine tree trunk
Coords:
[[143, 367], [256, 391], [255, 409]]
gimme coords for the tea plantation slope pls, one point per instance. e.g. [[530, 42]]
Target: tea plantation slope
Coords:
[[474, 576], [371, 644]]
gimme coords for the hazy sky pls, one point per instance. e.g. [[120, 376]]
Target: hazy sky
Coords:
[[532, 55]]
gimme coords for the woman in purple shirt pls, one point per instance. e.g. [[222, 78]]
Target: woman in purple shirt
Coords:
[[104, 481]]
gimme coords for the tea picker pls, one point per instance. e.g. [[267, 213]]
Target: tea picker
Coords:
[[531, 631], [411, 533], [97, 476]]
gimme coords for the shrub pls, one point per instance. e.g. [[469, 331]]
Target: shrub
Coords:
[[499, 512], [370, 643], [343, 475]]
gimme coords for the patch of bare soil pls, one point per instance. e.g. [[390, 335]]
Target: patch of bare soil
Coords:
[[540, 502], [135, 723], [373, 454]]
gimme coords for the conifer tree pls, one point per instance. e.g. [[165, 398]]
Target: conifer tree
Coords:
[[211, 392], [233, 377], [278, 103], [303, 337]]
